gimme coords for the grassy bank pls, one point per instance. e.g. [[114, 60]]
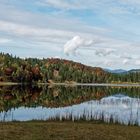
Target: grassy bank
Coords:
[[67, 131]]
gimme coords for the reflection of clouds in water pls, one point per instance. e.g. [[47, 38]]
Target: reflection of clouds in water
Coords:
[[118, 108]]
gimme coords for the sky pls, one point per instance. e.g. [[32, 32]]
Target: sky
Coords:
[[103, 33]]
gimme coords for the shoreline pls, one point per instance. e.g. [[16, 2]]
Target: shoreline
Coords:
[[9, 83], [77, 84], [68, 121]]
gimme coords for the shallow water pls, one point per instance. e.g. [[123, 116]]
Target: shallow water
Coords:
[[109, 104]]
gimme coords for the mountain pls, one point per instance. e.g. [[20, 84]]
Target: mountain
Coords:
[[134, 70], [116, 71], [122, 71]]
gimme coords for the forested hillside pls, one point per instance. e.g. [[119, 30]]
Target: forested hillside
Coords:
[[15, 69]]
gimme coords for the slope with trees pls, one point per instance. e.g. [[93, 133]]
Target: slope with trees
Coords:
[[32, 70]]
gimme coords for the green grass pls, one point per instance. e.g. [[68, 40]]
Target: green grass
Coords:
[[67, 130]]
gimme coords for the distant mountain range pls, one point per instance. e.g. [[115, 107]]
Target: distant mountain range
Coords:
[[134, 70], [116, 71], [122, 71]]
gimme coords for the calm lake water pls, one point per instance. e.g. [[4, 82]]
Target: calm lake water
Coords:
[[109, 104]]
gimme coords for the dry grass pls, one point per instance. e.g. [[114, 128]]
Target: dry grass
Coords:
[[67, 131]]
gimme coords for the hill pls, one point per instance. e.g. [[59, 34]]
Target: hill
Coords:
[[30, 70]]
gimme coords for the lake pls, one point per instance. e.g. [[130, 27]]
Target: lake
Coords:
[[109, 104]]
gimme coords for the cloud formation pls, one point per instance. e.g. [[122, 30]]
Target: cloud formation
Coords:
[[104, 52], [76, 42], [126, 61], [111, 6]]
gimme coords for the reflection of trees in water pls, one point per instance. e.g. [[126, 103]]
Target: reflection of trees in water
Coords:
[[124, 110], [6, 114], [17, 96]]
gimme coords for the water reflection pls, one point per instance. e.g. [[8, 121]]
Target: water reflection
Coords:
[[110, 104]]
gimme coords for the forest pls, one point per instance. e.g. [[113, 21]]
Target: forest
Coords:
[[33, 70]]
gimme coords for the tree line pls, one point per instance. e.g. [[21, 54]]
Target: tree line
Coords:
[[32, 70]]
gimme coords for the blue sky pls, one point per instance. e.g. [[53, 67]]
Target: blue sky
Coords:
[[101, 33]]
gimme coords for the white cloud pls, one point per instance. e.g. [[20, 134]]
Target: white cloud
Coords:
[[126, 61], [110, 6], [35, 33], [62, 4], [104, 52], [26, 30], [72, 45], [46, 34], [117, 54]]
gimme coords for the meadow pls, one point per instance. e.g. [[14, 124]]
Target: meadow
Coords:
[[67, 130]]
